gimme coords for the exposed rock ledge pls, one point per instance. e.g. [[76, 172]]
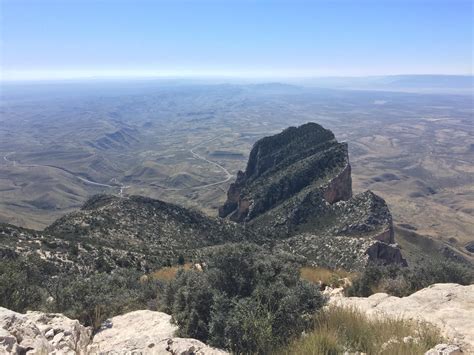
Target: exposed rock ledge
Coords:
[[450, 307], [144, 332]]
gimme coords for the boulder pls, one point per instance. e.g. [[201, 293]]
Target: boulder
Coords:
[[450, 307]]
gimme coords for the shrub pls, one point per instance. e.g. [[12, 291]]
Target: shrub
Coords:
[[26, 283], [244, 300], [400, 281], [19, 284], [93, 299]]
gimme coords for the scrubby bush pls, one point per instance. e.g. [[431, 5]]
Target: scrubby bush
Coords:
[[20, 282], [401, 281], [93, 299], [31, 284], [245, 300]]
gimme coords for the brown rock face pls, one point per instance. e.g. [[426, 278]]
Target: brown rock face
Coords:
[[339, 188]]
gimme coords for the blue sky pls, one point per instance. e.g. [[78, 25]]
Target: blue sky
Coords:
[[71, 38]]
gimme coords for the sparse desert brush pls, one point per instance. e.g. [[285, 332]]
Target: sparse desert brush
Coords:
[[338, 329], [333, 278], [168, 273]]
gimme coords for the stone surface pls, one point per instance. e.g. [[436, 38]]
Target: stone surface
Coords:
[[138, 330], [444, 349], [26, 333], [450, 307], [146, 332], [187, 346]]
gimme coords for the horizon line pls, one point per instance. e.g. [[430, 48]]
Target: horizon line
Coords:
[[217, 76]]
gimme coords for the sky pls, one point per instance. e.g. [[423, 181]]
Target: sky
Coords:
[[46, 39]]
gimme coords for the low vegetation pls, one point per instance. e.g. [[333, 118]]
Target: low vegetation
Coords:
[[402, 281], [168, 273], [326, 277], [241, 298], [337, 330], [244, 300], [26, 284]]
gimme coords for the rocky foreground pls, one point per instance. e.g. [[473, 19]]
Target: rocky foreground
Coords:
[[140, 332], [450, 307]]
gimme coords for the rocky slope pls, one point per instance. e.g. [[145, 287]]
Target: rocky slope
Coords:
[[450, 307]]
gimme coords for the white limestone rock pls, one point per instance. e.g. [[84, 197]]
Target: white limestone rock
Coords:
[[445, 349]]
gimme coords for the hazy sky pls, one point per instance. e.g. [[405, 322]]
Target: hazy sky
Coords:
[[71, 38]]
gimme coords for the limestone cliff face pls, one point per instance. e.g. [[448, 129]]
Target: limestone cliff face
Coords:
[[299, 181]]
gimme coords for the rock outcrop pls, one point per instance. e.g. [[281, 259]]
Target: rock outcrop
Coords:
[[281, 166], [297, 188], [450, 307], [146, 332], [143, 332], [41, 333], [134, 331]]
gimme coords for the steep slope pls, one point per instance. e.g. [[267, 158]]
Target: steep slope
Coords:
[[297, 187], [159, 230], [282, 165]]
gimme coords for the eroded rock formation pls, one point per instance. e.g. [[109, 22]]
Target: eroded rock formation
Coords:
[[297, 187]]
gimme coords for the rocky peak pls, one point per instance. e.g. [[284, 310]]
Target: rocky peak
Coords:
[[299, 181], [282, 165]]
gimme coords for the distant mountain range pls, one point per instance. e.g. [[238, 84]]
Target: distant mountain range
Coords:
[[411, 83]]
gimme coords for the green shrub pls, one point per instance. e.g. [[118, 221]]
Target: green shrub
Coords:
[[97, 297], [32, 284], [19, 284], [245, 300], [401, 281]]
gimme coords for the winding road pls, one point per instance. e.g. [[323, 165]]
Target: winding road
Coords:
[[121, 186], [197, 156], [87, 181]]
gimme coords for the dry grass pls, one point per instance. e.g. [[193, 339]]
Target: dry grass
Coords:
[[168, 273], [328, 277], [337, 330]]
